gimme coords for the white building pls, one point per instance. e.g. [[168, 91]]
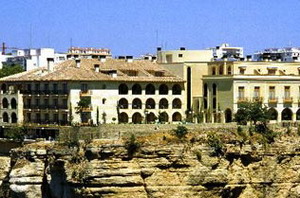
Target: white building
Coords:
[[226, 51], [3, 59], [34, 58], [288, 54], [88, 52]]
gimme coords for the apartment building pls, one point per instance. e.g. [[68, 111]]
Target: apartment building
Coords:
[[190, 65], [287, 54], [88, 52], [91, 92], [226, 51], [275, 84]]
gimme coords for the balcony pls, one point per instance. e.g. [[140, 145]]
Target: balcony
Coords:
[[87, 109], [287, 99], [257, 99], [241, 99], [50, 107], [86, 93], [48, 122], [45, 92], [273, 100]]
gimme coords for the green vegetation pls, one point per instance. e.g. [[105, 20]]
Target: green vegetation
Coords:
[[10, 70], [16, 133], [180, 132], [215, 142], [132, 146], [84, 102]]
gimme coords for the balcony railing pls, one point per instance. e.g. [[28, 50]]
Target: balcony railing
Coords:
[[44, 92], [287, 99], [45, 106], [86, 93], [257, 99], [48, 122], [273, 99], [242, 99]]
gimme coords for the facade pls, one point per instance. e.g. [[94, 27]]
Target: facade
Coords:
[[88, 52], [90, 92], [288, 54], [3, 59], [275, 84], [190, 65], [31, 59]]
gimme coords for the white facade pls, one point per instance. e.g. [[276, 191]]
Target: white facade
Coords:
[[3, 58], [226, 51], [288, 54]]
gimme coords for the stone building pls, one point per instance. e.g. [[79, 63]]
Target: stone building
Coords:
[[228, 83], [90, 92]]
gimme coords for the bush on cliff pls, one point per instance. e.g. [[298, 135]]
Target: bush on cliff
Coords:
[[180, 132], [132, 146]]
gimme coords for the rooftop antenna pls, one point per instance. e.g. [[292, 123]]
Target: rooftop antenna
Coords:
[[71, 42], [156, 37], [30, 36]]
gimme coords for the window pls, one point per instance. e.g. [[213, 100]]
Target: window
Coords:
[[242, 70], [256, 92], [287, 92], [37, 102], [46, 102], [241, 92], [55, 118], [272, 71], [28, 87], [65, 103], [46, 87], [55, 87], [180, 55], [28, 115], [84, 88], [213, 71], [37, 87], [55, 102], [103, 101], [65, 87], [272, 92], [229, 70]]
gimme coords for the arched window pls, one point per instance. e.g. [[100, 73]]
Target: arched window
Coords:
[[163, 117], [150, 89], [176, 104], [14, 118], [150, 117], [214, 103], [5, 117], [123, 89], [298, 114], [221, 70], [3, 88], [176, 117], [273, 114], [13, 103], [4, 103], [123, 118], [163, 89], [163, 103], [150, 104], [137, 118], [136, 103], [213, 72], [286, 114], [136, 89], [205, 90], [229, 70], [228, 115], [123, 103], [176, 89]]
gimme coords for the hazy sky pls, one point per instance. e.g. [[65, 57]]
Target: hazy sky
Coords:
[[134, 27]]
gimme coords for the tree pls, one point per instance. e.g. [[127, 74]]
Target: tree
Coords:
[[84, 103], [10, 70]]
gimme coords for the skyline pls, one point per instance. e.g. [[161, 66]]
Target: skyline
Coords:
[[134, 28]]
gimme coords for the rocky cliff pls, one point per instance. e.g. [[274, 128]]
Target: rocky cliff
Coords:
[[160, 166]]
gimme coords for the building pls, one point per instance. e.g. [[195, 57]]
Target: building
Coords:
[[225, 51], [31, 59], [288, 54], [88, 52], [190, 65], [90, 92], [275, 84], [3, 59]]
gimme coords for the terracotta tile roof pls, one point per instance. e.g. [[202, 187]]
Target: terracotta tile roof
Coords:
[[67, 71]]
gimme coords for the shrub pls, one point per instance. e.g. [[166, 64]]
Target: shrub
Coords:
[[198, 155], [15, 133], [180, 132], [215, 142], [132, 146]]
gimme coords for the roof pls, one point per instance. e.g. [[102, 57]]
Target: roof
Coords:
[[144, 71]]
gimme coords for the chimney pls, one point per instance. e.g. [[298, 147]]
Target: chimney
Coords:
[[158, 49], [182, 48], [129, 59], [97, 68], [50, 64], [77, 63], [249, 58], [102, 59]]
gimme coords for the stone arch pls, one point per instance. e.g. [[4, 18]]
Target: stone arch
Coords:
[[273, 114], [4, 103], [150, 117], [123, 118], [163, 104], [136, 103], [229, 70], [176, 89], [14, 118], [286, 114], [228, 115], [176, 117], [5, 117], [163, 117], [150, 89], [221, 70], [150, 104], [123, 103], [123, 89], [136, 89], [137, 118], [176, 104], [4, 88], [13, 103], [163, 89], [213, 71]]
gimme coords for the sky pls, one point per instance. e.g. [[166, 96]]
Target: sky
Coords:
[[136, 27]]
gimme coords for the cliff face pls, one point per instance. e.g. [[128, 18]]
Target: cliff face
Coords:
[[157, 170]]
